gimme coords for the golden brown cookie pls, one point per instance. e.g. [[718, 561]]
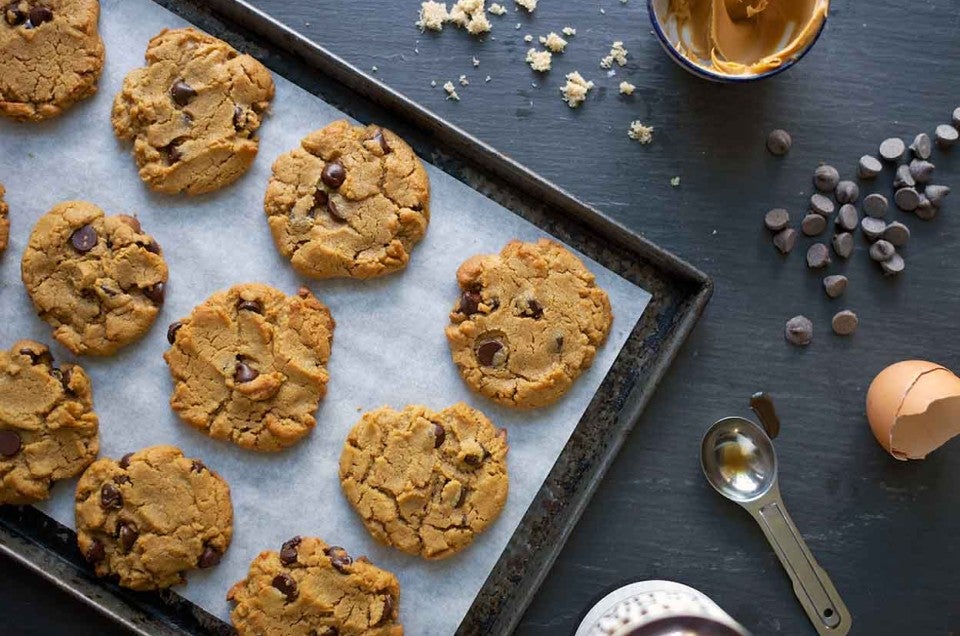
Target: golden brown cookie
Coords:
[[98, 280], [51, 56], [350, 201], [424, 482], [309, 587], [528, 322], [48, 430], [4, 221], [192, 112], [249, 365], [152, 516]]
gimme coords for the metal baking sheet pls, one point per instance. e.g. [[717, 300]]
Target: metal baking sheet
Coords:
[[679, 294]]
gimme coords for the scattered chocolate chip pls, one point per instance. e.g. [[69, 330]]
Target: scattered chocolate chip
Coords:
[[250, 305], [172, 151], [172, 331], [130, 221], [897, 234], [489, 353], [110, 497], [926, 210], [907, 199], [813, 224], [921, 146], [784, 240], [872, 228], [936, 194], [39, 15], [470, 302], [382, 140], [903, 178], [10, 443], [848, 218], [333, 174], [439, 435], [776, 219], [922, 171], [892, 149], [843, 244], [95, 553], [845, 323], [779, 142], [182, 93], [869, 167], [125, 461], [835, 285], [335, 211], [821, 205], [197, 466], [818, 256], [339, 559], [946, 136], [882, 251], [847, 192], [84, 239], [209, 558], [156, 293], [245, 373], [799, 331], [287, 586], [826, 178], [876, 205], [893, 266], [127, 534], [288, 551]]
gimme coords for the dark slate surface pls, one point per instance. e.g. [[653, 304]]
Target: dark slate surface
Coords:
[[884, 530]]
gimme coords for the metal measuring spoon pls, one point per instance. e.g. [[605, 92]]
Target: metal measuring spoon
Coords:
[[738, 460]]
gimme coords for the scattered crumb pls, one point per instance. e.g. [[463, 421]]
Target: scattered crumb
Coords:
[[497, 9], [626, 88], [374, 68], [470, 14], [463, 80], [554, 42], [603, 11], [623, 1], [568, 31], [529, 5], [576, 89], [478, 24], [675, 182], [432, 16], [517, 27], [528, 38], [617, 54], [476, 62], [611, 73], [451, 91], [539, 61], [643, 134], [433, 82], [487, 78]]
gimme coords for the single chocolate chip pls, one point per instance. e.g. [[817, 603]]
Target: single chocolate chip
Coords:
[[472, 459], [110, 497], [172, 331], [835, 285], [64, 376], [813, 224], [470, 302], [779, 142], [897, 234], [903, 178], [197, 466], [382, 140], [843, 244], [38, 355], [333, 174], [122, 479], [847, 192], [821, 205], [461, 498], [288, 551], [10, 443], [921, 146], [320, 198], [439, 435], [488, 353], [845, 323], [172, 151], [776, 219], [335, 210], [287, 586], [893, 266], [926, 210], [125, 461], [936, 194], [892, 149], [209, 557], [882, 251], [84, 239], [876, 205], [14, 15], [872, 228], [156, 292], [922, 171], [784, 240], [826, 178], [250, 305], [130, 221], [239, 119], [818, 256], [39, 15], [799, 331], [153, 247], [388, 607], [127, 534], [182, 93], [533, 309], [245, 373], [946, 136], [869, 167], [907, 199], [95, 553], [848, 218], [339, 559]]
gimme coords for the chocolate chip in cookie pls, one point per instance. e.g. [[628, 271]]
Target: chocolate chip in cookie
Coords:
[[84, 239], [250, 305], [491, 351], [10, 443], [182, 93], [245, 373], [209, 558], [333, 174], [287, 586], [288, 551]]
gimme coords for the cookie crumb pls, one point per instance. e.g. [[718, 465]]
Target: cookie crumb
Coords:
[[433, 82], [476, 62], [617, 54], [553, 42], [528, 38], [487, 78], [529, 5], [675, 182], [540, 61], [640, 132], [568, 31], [471, 15], [517, 27], [374, 68], [432, 16], [497, 9], [626, 88], [463, 80], [451, 91], [576, 89]]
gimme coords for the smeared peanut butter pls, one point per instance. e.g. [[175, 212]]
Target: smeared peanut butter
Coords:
[[743, 37]]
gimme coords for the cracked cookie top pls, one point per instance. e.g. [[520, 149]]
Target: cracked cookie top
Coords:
[[425, 482], [4, 221], [249, 365], [97, 280], [48, 430], [351, 201], [52, 56], [309, 587], [192, 112], [152, 516], [528, 322]]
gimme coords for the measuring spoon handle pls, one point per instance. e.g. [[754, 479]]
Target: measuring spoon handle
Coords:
[[813, 587]]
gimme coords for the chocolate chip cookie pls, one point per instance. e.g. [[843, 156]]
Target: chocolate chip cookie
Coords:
[[528, 322], [192, 112], [424, 482], [51, 56], [48, 430], [4, 221], [309, 587], [152, 516], [351, 201], [98, 280], [249, 365]]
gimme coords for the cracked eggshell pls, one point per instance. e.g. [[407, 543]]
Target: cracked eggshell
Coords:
[[914, 408]]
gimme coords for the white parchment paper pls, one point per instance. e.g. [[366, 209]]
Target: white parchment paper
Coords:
[[389, 345]]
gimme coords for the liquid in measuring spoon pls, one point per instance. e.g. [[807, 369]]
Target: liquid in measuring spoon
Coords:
[[738, 460]]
